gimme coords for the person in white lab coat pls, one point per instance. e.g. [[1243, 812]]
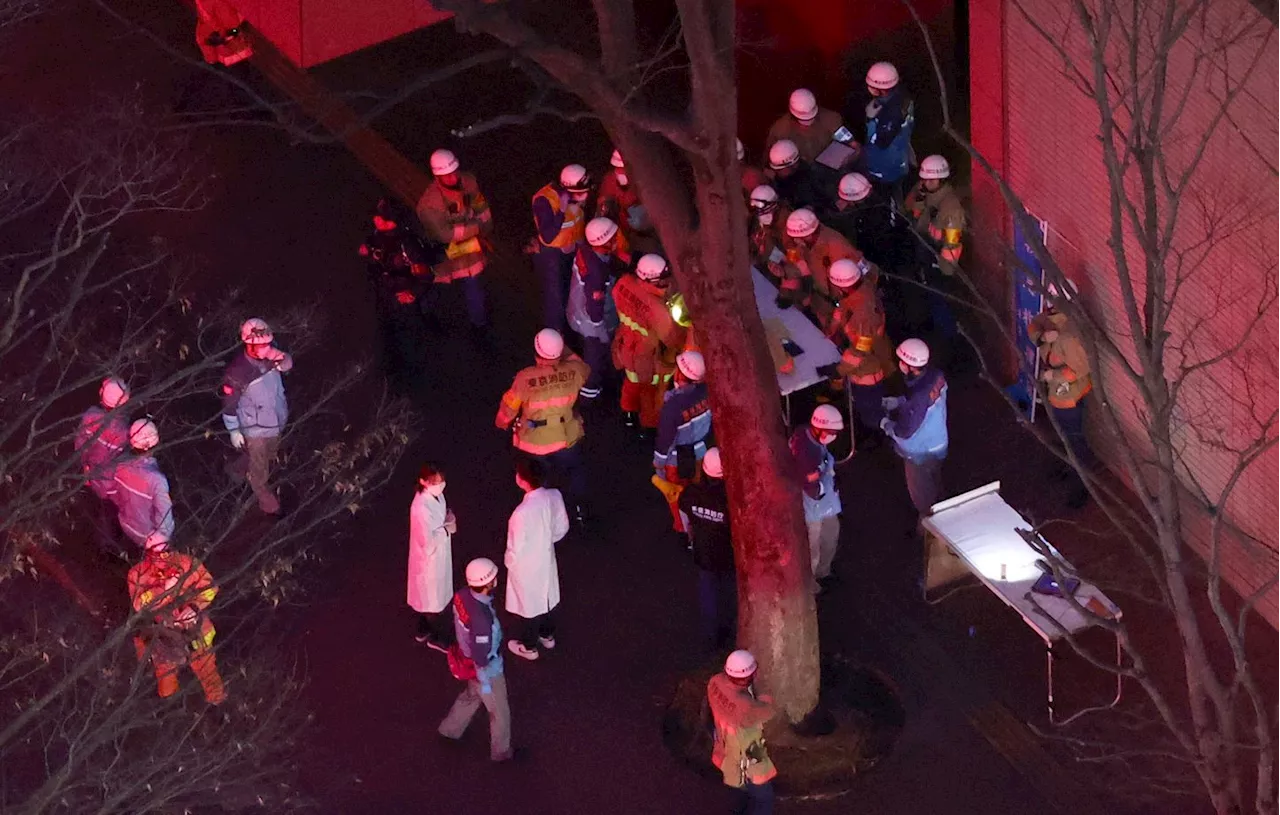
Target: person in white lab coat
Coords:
[[431, 528], [533, 580]]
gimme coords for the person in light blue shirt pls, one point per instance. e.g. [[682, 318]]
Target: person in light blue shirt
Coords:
[[917, 424]]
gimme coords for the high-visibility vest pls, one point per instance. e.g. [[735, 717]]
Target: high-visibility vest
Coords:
[[574, 227]]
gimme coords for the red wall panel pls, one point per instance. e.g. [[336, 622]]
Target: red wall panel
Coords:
[[310, 32]]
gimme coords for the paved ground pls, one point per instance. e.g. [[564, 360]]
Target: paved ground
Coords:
[[288, 219]]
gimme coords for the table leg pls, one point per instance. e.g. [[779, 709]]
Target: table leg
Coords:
[[1115, 701]]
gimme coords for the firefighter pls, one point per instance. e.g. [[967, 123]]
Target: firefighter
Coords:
[[891, 118], [752, 176], [101, 440], [793, 177], [765, 228], [808, 126], [857, 327], [706, 508], [739, 750], [560, 223], [175, 591], [683, 427], [400, 273], [455, 214], [917, 424], [590, 311], [619, 201], [816, 471], [939, 220], [647, 340], [220, 33], [254, 408], [140, 490], [539, 409], [1065, 374], [811, 249], [479, 661]]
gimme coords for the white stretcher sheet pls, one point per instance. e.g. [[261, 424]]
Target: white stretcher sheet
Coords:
[[981, 529], [818, 350]]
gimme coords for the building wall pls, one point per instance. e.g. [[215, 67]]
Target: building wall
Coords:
[[1049, 151], [310, 32]]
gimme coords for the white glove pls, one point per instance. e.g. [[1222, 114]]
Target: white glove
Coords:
[[886, 425], [890, 402], [873, 108], [237, 439]]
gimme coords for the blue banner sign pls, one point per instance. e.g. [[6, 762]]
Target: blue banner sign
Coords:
[[1028, 279]]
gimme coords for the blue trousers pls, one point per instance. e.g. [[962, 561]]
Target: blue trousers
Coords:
[[553, 268], [753, 799], [1071, 420], [569, 473], [596, 355], [866, 403], [717, 604], [473, 295]]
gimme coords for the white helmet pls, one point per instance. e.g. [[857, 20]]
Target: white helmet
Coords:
[[914, 352], [156, 542], [711, 463], [854, 187], [600, 231], [740, 664], [742, 151], [827, 417], [443, 162], [935, 167], [882, 76], [615, 160], [783, 154], [692, 365], [113, 393], [481, 572], [651, 267], [574, 178], [802, 223], [143, 434], [803, 105], [255, 331], [548, 344], [764, 197], [845, 272]]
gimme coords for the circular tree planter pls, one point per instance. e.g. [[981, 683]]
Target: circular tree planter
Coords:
[[857, 722]]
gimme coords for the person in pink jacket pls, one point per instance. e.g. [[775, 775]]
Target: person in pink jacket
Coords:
[[431, 529]]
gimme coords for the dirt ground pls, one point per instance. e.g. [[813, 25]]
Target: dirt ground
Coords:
[[285, 220]]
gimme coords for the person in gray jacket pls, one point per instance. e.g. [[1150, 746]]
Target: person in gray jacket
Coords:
[[141, 491], [254, 408]]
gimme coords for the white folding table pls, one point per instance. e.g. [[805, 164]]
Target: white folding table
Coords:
[[818, 350], [977, 534]]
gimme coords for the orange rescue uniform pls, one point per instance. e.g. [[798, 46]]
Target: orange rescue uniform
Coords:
[[177, 590], [645, 346], [540, 406]]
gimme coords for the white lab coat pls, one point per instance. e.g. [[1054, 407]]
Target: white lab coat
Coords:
[[430, 555], [533, 580]]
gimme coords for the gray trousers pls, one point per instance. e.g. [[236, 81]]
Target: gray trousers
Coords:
[[924, 482], [262, 456], [824, 536], [465, 707]]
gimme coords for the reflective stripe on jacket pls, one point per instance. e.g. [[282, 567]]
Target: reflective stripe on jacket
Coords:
[[102, 439], [142, 497], [540, 406], [253, 399], [572, 222], [685, 421]]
